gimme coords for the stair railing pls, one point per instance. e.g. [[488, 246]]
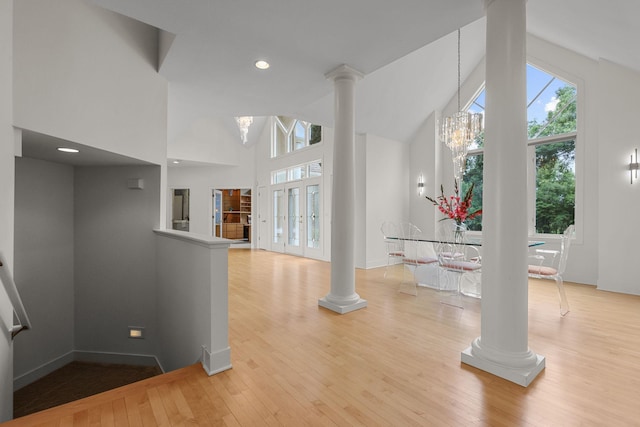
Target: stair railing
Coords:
[[20, 314]]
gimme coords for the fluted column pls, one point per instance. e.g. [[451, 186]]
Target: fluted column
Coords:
[[343, 297], [502, 348]]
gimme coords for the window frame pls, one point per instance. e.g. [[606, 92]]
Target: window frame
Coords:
[[290, 136], [576, 135]]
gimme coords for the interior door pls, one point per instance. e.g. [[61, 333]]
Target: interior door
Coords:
[[313, 219], [263, 216], [278, 219], [295, 220], [216, 215]]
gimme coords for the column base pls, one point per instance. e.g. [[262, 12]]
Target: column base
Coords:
[[522, 375], [342, 308], [217, 361]]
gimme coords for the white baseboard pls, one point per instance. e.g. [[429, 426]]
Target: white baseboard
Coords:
[[215, 362]]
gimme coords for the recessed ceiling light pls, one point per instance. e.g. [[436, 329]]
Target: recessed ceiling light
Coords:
[[175, 162], [68, 150], [262, 64]]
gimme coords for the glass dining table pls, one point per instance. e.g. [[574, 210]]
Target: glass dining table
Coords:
[[469, 241], [434, 276]]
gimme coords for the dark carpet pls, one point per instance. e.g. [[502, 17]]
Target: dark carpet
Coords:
[[75, 381]]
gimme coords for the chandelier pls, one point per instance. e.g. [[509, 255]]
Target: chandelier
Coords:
[[459, 130], [243, 124]]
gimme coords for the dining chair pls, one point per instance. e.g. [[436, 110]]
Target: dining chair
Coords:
[[550, 264], [416, 255], [394, 245], [458, 259]]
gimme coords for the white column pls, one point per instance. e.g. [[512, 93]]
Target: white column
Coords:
[[343, 297], [502, 348]]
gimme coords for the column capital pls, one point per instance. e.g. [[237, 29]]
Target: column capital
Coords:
[[344, 72]]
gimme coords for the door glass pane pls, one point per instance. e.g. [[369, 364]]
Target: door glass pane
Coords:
[[278, 217], [294, 217], [218, 214], [313, 216]]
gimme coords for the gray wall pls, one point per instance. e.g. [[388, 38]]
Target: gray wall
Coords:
[[44, 261], [115, 258]]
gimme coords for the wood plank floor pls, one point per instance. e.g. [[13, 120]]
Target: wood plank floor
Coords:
[[395, 363]]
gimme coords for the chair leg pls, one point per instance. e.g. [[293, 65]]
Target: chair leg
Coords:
[[454, 298], [387, 268], [408, 286], [564, 303]]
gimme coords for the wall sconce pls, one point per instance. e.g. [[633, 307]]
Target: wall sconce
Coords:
[[420, 184], [633, 166]]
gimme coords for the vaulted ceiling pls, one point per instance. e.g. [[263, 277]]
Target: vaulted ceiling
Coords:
[[406, 49]]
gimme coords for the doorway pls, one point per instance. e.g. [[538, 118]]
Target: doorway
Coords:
[[231, 213], [216, 213], [296, 220], [180, 209]]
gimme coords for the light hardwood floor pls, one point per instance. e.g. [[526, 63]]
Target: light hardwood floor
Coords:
[[395, 363]]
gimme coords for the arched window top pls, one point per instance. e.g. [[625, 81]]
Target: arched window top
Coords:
[[551, 105], [291, 135]]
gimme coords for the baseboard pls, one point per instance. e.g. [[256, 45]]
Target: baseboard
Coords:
[[381, 263], [42, 370], [84, 356], [217, 361], [117, 358]]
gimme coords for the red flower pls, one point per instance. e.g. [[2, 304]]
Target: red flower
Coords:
[[455, 208]]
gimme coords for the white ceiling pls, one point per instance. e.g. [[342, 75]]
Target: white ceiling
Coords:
[[405, 48]]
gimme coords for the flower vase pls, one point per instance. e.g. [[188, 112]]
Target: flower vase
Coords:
[[459, 232]]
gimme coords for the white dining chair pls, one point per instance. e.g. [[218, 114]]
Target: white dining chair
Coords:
[[550, 264], [416, 255], [456, 259], [393, 243]]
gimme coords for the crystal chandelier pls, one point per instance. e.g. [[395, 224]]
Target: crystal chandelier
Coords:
[[243, 124], [459, 130]]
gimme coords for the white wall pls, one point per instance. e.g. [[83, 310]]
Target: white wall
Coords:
[[7, 196], [210, 140], [388, 190], [619, 201], [89, 75], [425, 158], [44, 263], [193, 299], [115, 264]]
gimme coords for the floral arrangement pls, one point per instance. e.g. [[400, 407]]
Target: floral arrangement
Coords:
[[454, 207]]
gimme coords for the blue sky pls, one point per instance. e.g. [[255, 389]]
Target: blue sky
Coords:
[[536, 80]]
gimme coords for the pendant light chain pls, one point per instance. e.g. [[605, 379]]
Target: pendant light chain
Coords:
[[458, 131], [458, 69]]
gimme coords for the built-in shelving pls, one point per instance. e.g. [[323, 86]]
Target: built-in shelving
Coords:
[[236, 214]]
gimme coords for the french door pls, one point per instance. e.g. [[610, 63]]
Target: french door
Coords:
[[296, 220]]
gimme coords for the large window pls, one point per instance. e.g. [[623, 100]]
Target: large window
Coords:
[[552, 131], [294, 173], [290, 135]]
